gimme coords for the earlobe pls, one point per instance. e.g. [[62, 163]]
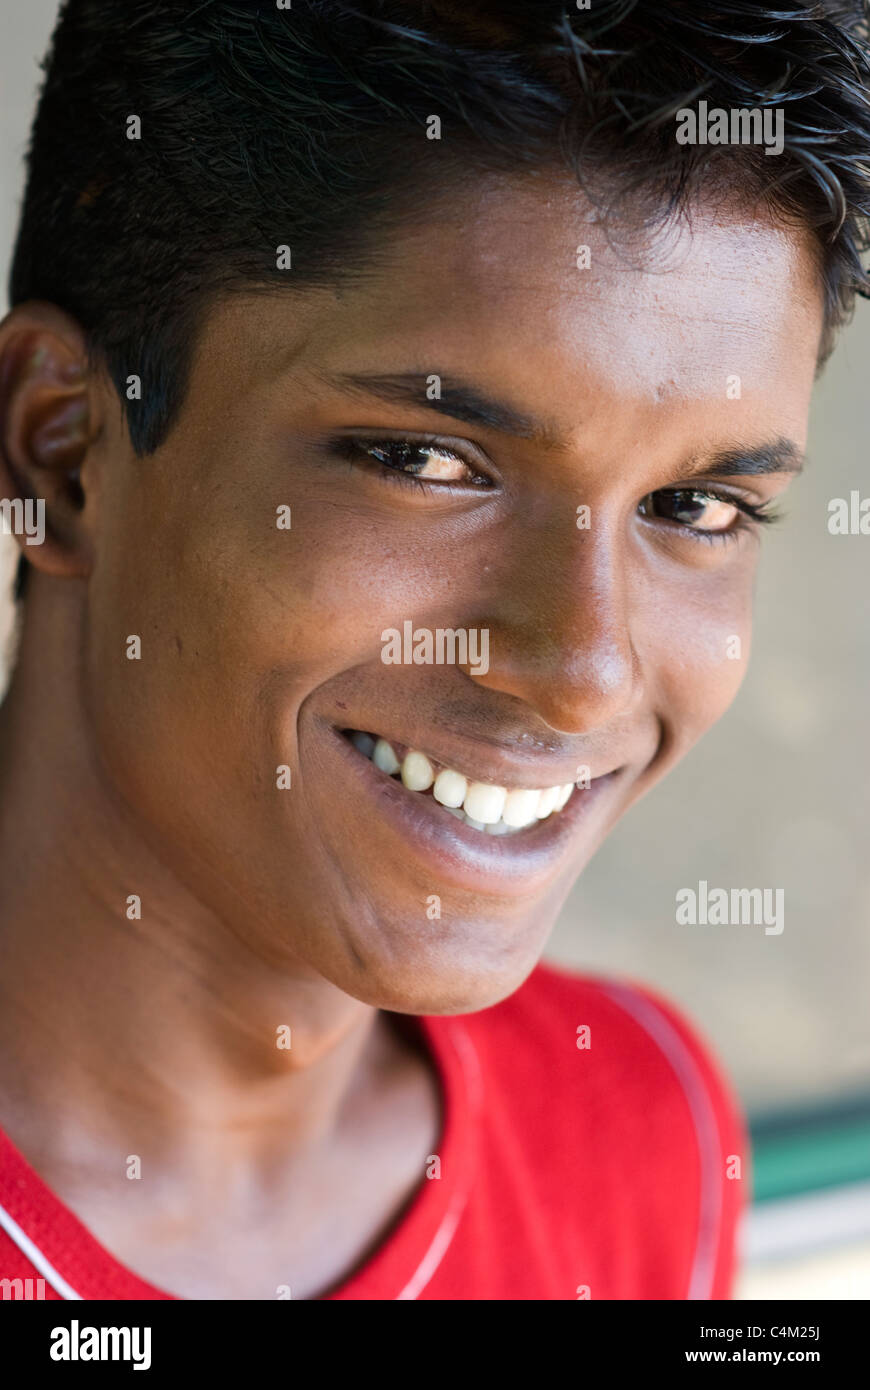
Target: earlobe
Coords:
[[47, 426]]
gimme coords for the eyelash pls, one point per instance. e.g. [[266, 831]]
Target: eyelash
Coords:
[[355, 449], [750, 514]]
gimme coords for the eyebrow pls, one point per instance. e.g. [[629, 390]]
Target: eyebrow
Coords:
[[776, 456], [462, 401], [457, 398]]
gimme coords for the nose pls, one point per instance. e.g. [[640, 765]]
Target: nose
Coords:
[[560, 627]]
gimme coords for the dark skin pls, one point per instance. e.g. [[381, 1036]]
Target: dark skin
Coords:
[[609, 648]]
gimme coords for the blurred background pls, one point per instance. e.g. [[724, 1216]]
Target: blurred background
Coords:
[[776, 796]]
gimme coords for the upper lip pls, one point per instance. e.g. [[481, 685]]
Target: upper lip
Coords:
[[488, 764]]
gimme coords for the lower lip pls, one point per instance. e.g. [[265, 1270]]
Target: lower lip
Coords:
[[450, 850]]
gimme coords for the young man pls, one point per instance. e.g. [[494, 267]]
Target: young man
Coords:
[[406, 400]]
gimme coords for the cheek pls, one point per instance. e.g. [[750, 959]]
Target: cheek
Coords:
[[238, 622], [702, 650]]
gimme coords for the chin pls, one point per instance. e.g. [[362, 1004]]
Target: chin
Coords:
[[452, 964]]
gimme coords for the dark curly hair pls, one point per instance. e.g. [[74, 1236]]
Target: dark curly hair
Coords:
[[306, 126]]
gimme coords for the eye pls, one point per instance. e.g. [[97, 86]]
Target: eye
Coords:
[[418, 461], [706, 512]]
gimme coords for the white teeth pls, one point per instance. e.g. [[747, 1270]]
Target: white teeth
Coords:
[[484, 802], [450, 788], [547, 802], [417, 772], [481, 805], [384, 757], [521, 808], [500, 829]]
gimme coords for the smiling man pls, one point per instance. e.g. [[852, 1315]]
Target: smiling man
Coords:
[[329, 321]]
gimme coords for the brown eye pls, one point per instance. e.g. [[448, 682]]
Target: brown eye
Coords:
[[430, 462], [702, 511], [424, 462]]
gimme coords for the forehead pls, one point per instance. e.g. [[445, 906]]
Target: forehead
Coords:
[[675, 309], [519, 284]]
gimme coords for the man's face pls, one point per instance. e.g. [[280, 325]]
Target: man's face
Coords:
[[613, 644]]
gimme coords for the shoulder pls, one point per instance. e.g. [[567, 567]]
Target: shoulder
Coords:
[[611, 1080], [631, 1034]]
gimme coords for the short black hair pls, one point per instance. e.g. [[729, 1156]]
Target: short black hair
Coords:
[[307, 127]]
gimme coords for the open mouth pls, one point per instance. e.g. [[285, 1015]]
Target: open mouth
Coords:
[[485, 807]]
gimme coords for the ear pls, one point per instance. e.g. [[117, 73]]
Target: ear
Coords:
[[48, 424]]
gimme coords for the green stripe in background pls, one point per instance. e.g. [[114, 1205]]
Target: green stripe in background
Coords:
[[806, 1151]]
